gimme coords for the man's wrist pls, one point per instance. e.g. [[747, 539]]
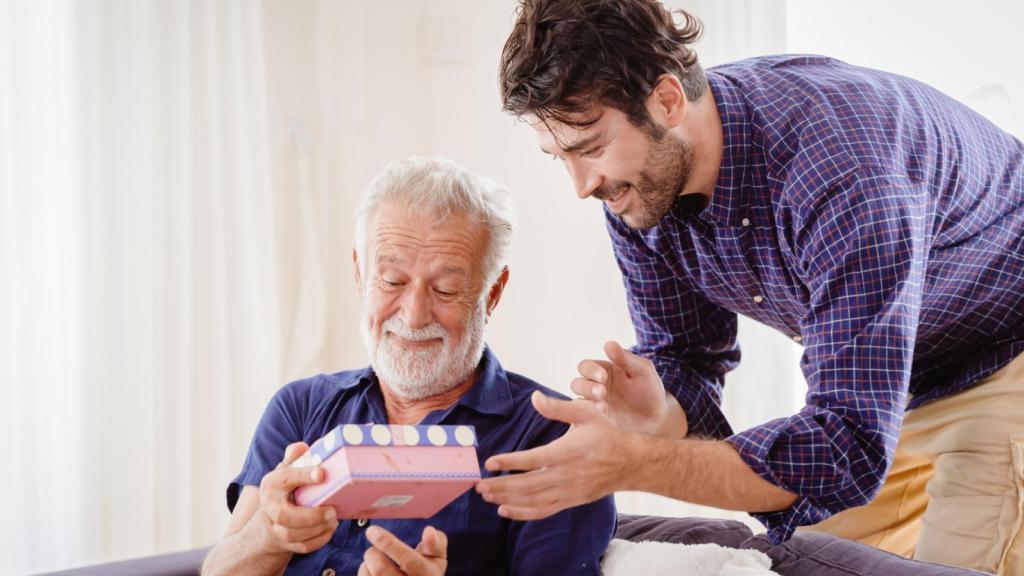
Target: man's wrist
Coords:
[[673, 424], [260, 531]]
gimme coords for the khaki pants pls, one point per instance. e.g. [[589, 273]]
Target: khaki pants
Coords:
[[955, 493]]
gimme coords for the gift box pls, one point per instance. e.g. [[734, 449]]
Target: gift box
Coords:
[[390, 471]]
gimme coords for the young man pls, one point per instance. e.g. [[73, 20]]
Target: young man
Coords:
[[429, 261], [867, 216]]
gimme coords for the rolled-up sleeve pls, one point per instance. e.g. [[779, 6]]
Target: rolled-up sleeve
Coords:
[[690, 340], [862, 249]]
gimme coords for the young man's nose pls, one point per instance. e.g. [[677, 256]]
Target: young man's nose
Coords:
[[585, 179]]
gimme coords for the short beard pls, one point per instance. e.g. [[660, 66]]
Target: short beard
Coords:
[[422, 373], [664, 177]]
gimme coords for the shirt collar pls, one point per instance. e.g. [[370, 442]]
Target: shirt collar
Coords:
[[490, 394], [728, 202]]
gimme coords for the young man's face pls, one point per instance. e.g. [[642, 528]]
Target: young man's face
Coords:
[[636, 171]]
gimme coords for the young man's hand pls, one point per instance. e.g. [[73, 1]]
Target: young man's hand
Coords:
[[291, 528], [629, 390], [389, 556]]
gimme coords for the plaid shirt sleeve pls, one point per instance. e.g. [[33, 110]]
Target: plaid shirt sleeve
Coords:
[[862, 249], [691, 341]]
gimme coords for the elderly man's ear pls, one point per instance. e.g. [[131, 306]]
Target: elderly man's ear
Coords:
[[355, 270], [496, 291]]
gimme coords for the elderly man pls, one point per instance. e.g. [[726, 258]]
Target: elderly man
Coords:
[[429, 266]]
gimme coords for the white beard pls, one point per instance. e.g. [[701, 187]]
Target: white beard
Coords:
[[415, 374]]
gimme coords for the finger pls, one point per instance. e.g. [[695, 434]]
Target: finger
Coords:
[[364, 570], [531, 459], [289, 478], [293, 452], [568, 411], [623, 358], [541, 490], [433, 543], [378, 564], [399, 552], [291, 516], [527, 514], [497, 489], [313, 544], [596, 370], [588, 389], [298, 535]]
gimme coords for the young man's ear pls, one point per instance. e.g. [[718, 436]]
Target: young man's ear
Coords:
[[667, 102], [355, 272], [496, 290]]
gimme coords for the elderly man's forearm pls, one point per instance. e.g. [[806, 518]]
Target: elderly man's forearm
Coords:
[[241, 553]]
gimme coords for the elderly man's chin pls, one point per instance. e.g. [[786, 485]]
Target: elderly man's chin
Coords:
[[415, 369]]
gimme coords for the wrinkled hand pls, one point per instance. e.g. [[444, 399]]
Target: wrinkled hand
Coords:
[[589, 462], [389, 556], [629, 390], [292, 528]]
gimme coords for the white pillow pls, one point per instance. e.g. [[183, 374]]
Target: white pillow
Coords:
[[625, 558]]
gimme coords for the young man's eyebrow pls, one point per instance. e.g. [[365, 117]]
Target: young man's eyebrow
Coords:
[[583, 143]]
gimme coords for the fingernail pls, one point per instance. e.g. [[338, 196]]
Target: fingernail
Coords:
[[372, 533], [502, 511], [315, 475], [330, 515]]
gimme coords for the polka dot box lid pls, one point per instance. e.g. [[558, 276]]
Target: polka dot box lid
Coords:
[[378, 435]]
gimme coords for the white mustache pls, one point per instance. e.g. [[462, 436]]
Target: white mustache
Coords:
[[396, 326]]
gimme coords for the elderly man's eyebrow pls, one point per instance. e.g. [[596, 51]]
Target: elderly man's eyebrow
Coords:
[[456, 270]]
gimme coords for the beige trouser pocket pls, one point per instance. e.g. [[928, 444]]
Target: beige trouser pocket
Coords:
[[1012, 561]]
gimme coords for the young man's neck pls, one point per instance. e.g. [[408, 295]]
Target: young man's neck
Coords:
[[702, 130], [405, 411]]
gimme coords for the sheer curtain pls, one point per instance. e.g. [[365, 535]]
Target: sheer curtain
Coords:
[[141, 311]]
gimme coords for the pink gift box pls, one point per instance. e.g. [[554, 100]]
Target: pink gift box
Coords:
[[390, 471]]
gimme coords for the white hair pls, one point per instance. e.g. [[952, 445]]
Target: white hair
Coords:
[[437, 188]]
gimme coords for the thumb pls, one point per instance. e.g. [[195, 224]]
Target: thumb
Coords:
[[292, 453], [568, 411], [622, 358], [433, 543]]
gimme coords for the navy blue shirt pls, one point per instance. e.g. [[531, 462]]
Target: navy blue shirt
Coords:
[[479, 541]]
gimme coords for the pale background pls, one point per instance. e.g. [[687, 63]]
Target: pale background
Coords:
[[176, 184]]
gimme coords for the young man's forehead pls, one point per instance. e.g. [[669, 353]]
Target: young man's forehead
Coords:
[[567, 136]]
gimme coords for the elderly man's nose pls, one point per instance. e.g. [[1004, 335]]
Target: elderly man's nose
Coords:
[[416, 309]]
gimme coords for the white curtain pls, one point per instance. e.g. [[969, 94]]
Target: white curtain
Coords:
[[141, 312]]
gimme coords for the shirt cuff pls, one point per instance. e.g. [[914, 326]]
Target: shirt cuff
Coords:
[[704, 417], [753, 446]]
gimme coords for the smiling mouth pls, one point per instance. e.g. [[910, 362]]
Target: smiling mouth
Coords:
[[615, 202], [415, 343]]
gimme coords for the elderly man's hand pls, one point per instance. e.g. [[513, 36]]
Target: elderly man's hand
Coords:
[[389, 556], [291, 528], [628, 388], [589, 462]]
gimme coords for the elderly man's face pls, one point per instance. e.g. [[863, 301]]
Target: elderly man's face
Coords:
[[423, 316]]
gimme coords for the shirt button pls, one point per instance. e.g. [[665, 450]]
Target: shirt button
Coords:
[[328, 572], [758, 299], [745, 222], [798, 338], [362, 522]]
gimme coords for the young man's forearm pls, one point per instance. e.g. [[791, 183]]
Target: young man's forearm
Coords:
[[705, 472], [243, 553]]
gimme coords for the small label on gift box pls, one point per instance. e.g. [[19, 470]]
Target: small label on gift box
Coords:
[[392, 501]]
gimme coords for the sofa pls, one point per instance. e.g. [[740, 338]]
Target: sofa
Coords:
[[806, 554]]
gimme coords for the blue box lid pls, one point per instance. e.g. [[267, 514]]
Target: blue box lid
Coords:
[[386, 435]]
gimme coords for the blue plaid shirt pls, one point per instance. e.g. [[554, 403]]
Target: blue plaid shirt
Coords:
[[863, 214]]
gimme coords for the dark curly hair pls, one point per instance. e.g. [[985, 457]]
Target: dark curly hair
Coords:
[[565, 56]]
